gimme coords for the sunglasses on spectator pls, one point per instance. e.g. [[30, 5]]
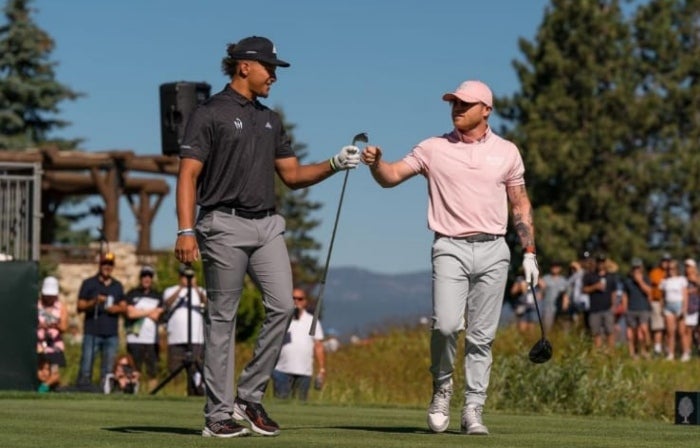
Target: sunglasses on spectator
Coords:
[[299, 298]]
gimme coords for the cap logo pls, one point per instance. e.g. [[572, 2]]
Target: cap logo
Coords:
[[238, 123]]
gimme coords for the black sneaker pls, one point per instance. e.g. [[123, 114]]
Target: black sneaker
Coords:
[[224, 429], [255, 414]]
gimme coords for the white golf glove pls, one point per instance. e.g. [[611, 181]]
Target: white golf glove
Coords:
[[348, 158], [530, 269]]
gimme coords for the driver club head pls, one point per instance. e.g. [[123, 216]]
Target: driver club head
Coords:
[[541, 352], [361, 137]]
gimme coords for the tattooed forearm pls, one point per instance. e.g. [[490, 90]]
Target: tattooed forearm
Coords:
[[522, 215]]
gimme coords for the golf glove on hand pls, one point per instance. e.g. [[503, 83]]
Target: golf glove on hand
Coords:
[[530, 268], [348, 158]]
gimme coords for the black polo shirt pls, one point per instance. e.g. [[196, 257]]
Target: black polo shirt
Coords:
[[238, 141], [636, 298], [99, 322], [600, 300]]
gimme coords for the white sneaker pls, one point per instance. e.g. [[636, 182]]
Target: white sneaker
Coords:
[[471, 420], [439, 410], [685, 357]]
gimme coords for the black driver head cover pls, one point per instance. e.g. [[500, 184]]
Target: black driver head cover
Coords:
[[541, 352]]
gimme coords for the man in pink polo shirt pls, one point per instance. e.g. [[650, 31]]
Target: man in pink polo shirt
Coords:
[[472, 175]]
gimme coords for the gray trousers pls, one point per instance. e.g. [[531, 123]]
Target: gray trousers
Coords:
[[469, 281], [230, 247]]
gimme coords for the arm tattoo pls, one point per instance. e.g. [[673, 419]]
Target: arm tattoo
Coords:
[[522, 215]]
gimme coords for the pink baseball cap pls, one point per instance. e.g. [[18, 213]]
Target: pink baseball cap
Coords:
[[471, 92]]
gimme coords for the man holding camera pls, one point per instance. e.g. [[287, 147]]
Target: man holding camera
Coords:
[[177, 322]]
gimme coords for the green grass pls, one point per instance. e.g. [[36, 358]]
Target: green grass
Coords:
[[98, 421]]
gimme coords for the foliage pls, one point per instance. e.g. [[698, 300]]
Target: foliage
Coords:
[[606, 118], [29, 105], [393, 369], [29, 93]]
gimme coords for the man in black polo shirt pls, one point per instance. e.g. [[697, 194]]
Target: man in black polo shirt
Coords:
[[599, 284], [101, 298], [232, 147]]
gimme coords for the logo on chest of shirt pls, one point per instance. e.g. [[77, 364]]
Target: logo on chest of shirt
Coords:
[[238, 123], [268, 125]]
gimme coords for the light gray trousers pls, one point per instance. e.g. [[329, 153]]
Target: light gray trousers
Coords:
[[230, 247], [469, 281]]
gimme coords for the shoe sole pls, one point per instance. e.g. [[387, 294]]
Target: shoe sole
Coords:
[[241, 416], [206, 432]]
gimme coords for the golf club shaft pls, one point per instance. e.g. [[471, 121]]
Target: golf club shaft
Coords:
[[319, 300], [537, 308], [317, 309]]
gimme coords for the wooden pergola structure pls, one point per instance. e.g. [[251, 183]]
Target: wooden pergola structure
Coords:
[[104, 173]]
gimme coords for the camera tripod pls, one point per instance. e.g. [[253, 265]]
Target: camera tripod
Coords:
[[189, 360]]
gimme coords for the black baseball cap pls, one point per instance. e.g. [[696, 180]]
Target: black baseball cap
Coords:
[[147, 270], [256, 48]]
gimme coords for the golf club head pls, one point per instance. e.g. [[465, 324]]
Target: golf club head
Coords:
[[541, 352], [361, 137]]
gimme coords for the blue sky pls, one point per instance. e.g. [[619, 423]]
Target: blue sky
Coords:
[[376, 66]]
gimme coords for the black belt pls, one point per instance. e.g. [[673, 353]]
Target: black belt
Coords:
[[475, 238], [242, 213]]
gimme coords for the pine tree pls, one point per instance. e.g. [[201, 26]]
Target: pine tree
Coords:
[[297, 208], [577, 123], [29, 92], [667, 36]]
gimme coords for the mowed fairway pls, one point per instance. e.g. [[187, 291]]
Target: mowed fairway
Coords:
[[81, 420]]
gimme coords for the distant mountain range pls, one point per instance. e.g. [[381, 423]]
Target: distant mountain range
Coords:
[[357, 301]]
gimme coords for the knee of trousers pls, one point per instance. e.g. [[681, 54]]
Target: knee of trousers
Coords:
[[447, 327]]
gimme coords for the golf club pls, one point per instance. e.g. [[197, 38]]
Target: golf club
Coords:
[[542, 350], [361, 137]]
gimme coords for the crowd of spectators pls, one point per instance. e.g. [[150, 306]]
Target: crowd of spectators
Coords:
[[144, 310], [654, 312]]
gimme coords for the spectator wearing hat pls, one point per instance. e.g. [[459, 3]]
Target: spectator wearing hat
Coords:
[[693, 311], [52, 323], [675, 305], [101, 299], [657, 323], [177, 320], [144, 306], [599, 284], [636, 300]]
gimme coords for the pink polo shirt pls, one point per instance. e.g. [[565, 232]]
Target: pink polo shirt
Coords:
[[467, 182]]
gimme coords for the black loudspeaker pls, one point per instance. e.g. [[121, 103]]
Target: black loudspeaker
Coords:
[[177, 101]]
